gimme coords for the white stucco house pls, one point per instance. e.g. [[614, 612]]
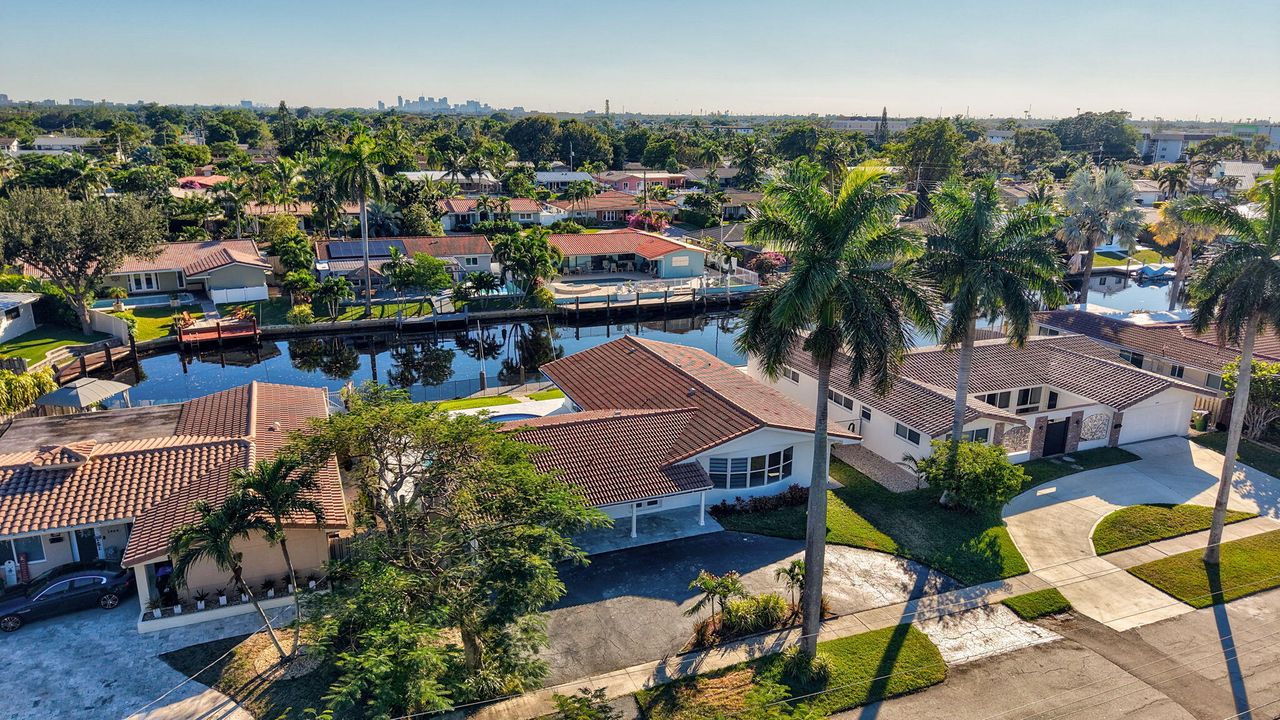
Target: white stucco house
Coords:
[[1055, 395], [17, 314], [663, 428]]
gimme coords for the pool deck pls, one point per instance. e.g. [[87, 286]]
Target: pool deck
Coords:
[[539, 408]]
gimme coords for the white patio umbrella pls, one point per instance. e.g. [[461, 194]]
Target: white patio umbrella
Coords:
[[83, 392]]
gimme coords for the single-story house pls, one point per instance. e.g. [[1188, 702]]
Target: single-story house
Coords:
[[629, 250], [1245, 173], [634, 182], [725, 176], [226, 270], [201, 182], [661, 428], [17, 314], [63, 143], [9, 145], [1146, 192], [464, 212], [475, 182], [1052, 396], [609, 206], [114, 485], [558, 180], [462, 253]]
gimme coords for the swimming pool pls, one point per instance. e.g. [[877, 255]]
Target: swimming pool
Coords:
[[145, 301], [506, 417]]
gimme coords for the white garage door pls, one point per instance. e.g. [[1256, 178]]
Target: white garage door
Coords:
[[244, 294], [1166, 414]]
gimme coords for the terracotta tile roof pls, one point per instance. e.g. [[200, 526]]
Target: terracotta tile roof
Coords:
[[439, 247], [91, 481], [201, 181], [1174, 341], [615, 456], [611, 242], [467, 205], [634, 373], [612, 200], [223, 257], [178, 255]]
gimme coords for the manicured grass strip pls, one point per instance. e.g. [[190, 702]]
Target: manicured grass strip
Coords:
[[1251, 453], [157, 322], [865, 668], [1032, 605], [970, 547], [1139, 257], [33, 346], [552, 394], [1048, 469], [1249, 565], [1142, 524], [469, 403]]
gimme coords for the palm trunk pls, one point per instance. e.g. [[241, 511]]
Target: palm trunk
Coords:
[[297, 605], [1180, 269], [364, 242], [1239, 404], [962, 396], [271, 632], [815, 546], [1084, 278]]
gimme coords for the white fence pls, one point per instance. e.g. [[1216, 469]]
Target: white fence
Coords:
[[236, 295], [110, 324]]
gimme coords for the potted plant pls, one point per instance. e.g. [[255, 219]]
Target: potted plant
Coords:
[[155, 606], [201, 597], [117, 295], [286, 581], [222, 596], [312, 580], [244, 596], [177, 607], [269, 587]]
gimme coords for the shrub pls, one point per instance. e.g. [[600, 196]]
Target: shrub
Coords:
[[984, 477], [489, 228], [586, 705], [754, 614], [566, 227], [300, 315], [804, 669], [541, 297], [792, 496], [18, 391]]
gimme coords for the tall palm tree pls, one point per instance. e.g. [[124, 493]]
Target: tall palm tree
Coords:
[[1174, 229], [1099, 205], [285, 175], [88, 177], [358, 176], [233, 197], [1172, 180], [212, 538], [278, 490], [989, 263], [850, 290], [527, 258], [332, 291], [1237, 287], [752, 160]]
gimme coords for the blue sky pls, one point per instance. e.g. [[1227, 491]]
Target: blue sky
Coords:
[[1170, 58]]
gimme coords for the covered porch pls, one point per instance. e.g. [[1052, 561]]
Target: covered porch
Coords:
[[32, 554], [639, 523], [609, 263]]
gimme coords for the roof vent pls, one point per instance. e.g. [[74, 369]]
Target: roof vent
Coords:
[[692, 392]]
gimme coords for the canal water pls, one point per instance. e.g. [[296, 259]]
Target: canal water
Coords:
[[1120, 292]]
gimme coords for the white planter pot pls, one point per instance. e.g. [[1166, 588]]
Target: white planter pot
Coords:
[[222, 599], [244, 598], [292, 590], [156, 613], [177, 609], [311, 584], [271, 593], [199, 604]]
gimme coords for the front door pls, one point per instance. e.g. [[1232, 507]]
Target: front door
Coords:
[[1055, 438], [86, 545]]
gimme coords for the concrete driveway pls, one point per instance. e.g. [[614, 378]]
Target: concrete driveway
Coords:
[[94, 664], [627, 607], [1052, 524]]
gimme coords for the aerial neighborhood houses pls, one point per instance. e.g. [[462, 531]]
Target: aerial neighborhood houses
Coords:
[[462, 254], [225, 270]]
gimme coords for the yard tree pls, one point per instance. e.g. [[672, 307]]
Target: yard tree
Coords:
[[533, 138], [1109, 133], [1264, 395], [1035, 146], [851, 290], [586, 141], [1173, 230], [928, 152], [457, 509], [989, 263], [796, 140], [527, 258], [1237, 290], [76, 244], [1099, 208]]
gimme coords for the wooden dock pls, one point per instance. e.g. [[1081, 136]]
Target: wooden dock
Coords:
[[220, 331], [111, 359]]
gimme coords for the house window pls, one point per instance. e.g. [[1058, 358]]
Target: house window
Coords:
[[790, 374], [1000, 399], [142, 282], [181, 279], [1053, 401], [31, 546], [755, 471], [866, 414], [1132, 357], [13, 313], [471, 261], [526, 216], [1213, 381], [906, 433], [1048, 332], [841, 400], [649, 504], [980, 435], [1028, 400], [1176, 371]]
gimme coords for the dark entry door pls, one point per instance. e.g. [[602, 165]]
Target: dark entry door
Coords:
[[86, 545], [1055, 438]]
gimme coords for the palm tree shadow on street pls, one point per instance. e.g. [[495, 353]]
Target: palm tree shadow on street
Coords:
[[885, 670], [1230, 654]]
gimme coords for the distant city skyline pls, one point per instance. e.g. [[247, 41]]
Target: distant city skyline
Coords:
[[981, 58]]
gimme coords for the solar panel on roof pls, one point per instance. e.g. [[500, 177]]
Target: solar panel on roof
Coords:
[[344, 249]]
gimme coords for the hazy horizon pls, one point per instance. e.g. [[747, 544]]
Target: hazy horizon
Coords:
[[980, 58]]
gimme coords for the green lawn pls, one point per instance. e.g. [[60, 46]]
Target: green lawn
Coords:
[[1032, 605], [273, 311], [1142, 524], [234, 676], [1048, 469], [552, 394], [865, 668], [970, 547], [33, 346], [1251, 453], [157, 322], [469, 403], [1144, 256], [1248, 566], [269, 312]]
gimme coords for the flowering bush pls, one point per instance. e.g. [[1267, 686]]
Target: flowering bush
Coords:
[[648, 220]]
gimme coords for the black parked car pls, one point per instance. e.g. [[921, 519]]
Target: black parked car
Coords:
[[65, 589]]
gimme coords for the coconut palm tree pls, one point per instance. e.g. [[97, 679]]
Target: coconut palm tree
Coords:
[[1237, 288], [792, 575], [285, 175], [278, 490], [88, 177], [1172, 180], [357, 175], [716, 591], [527, 258], [333, 290], [384, 220], [212, 538], [232, 195], [989, 263], [1099, 207], [1174, 229], [850, 290], [752, 160]]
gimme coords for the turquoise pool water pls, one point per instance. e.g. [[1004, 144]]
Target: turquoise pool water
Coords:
[[144, 301]]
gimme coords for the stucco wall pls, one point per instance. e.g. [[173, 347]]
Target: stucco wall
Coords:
[[235, 276], [309, 549], [166, 281], [24, 323], [668, 267]]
